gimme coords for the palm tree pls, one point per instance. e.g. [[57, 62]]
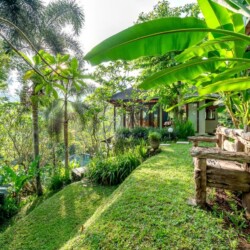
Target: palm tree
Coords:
[[24, 14], [59, 114], [43, 26]]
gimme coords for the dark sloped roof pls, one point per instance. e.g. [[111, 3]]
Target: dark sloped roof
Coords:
[[125, 95]]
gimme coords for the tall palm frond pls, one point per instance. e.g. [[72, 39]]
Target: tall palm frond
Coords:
[[64, 12], [25, 14], [44, 25], [74, 46], [52, 40]]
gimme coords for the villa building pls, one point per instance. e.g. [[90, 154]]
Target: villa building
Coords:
[[145, 113]]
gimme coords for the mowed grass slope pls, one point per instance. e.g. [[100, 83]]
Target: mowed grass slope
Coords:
[[56, 220], [150, 211]]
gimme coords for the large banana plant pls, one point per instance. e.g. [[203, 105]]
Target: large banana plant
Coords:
[[213, 52]]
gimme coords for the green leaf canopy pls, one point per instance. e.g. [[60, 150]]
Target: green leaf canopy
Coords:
[[155, 37], [234, 84], [187, 71], [225, 43]]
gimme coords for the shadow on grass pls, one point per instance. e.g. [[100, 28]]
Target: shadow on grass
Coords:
[[32, 203], [57, 219]]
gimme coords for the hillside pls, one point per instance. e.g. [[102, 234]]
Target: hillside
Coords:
[[56, 220], [148, 211]]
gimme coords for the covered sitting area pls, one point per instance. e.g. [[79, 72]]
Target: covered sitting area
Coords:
[[132, 110]]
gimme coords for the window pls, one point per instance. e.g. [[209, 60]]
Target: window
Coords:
[[210, 113]]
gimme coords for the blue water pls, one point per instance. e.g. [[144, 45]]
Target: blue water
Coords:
[[82, 159]]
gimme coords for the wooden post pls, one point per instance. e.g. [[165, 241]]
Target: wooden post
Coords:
[[246, 204], [219, 140], [246, 166], [246, 196], [239, 146], [200, 181], [223, 138]]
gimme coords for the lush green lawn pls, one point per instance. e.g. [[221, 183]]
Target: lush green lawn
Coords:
[[150, 211], [56, 220]]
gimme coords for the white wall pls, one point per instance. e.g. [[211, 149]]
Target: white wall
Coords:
[[192, 114]]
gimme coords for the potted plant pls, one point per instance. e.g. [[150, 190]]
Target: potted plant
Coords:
[[154, 139]]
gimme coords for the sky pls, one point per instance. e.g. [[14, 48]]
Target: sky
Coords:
[[104, 18]]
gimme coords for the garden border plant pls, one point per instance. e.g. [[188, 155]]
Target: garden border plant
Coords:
[[114, 170]]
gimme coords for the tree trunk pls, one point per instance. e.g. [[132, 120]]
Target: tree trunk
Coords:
[[36, 140], [66, 136], [54, 158], [105, 132]]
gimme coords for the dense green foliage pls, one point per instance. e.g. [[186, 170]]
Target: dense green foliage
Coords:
[[115, 169], [57, 182], [183, 129], [54, 122], [131, 136], [17, 179]]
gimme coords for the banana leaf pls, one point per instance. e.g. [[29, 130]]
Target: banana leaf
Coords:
[[235, 70], [219, 17], [233, 84], [155, 38], [150, 38], [226, 43], [187, 71]]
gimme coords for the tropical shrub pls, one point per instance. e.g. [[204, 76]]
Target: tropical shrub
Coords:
[[142, 150], [183, 129], [15, 178], [121, 145], [123, 133], [8, 209], [59, 178], [57, 182], [140, 133], [113, 170], [136, 135]]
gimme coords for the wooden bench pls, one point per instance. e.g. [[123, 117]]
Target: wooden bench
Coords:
[[224, 166]]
